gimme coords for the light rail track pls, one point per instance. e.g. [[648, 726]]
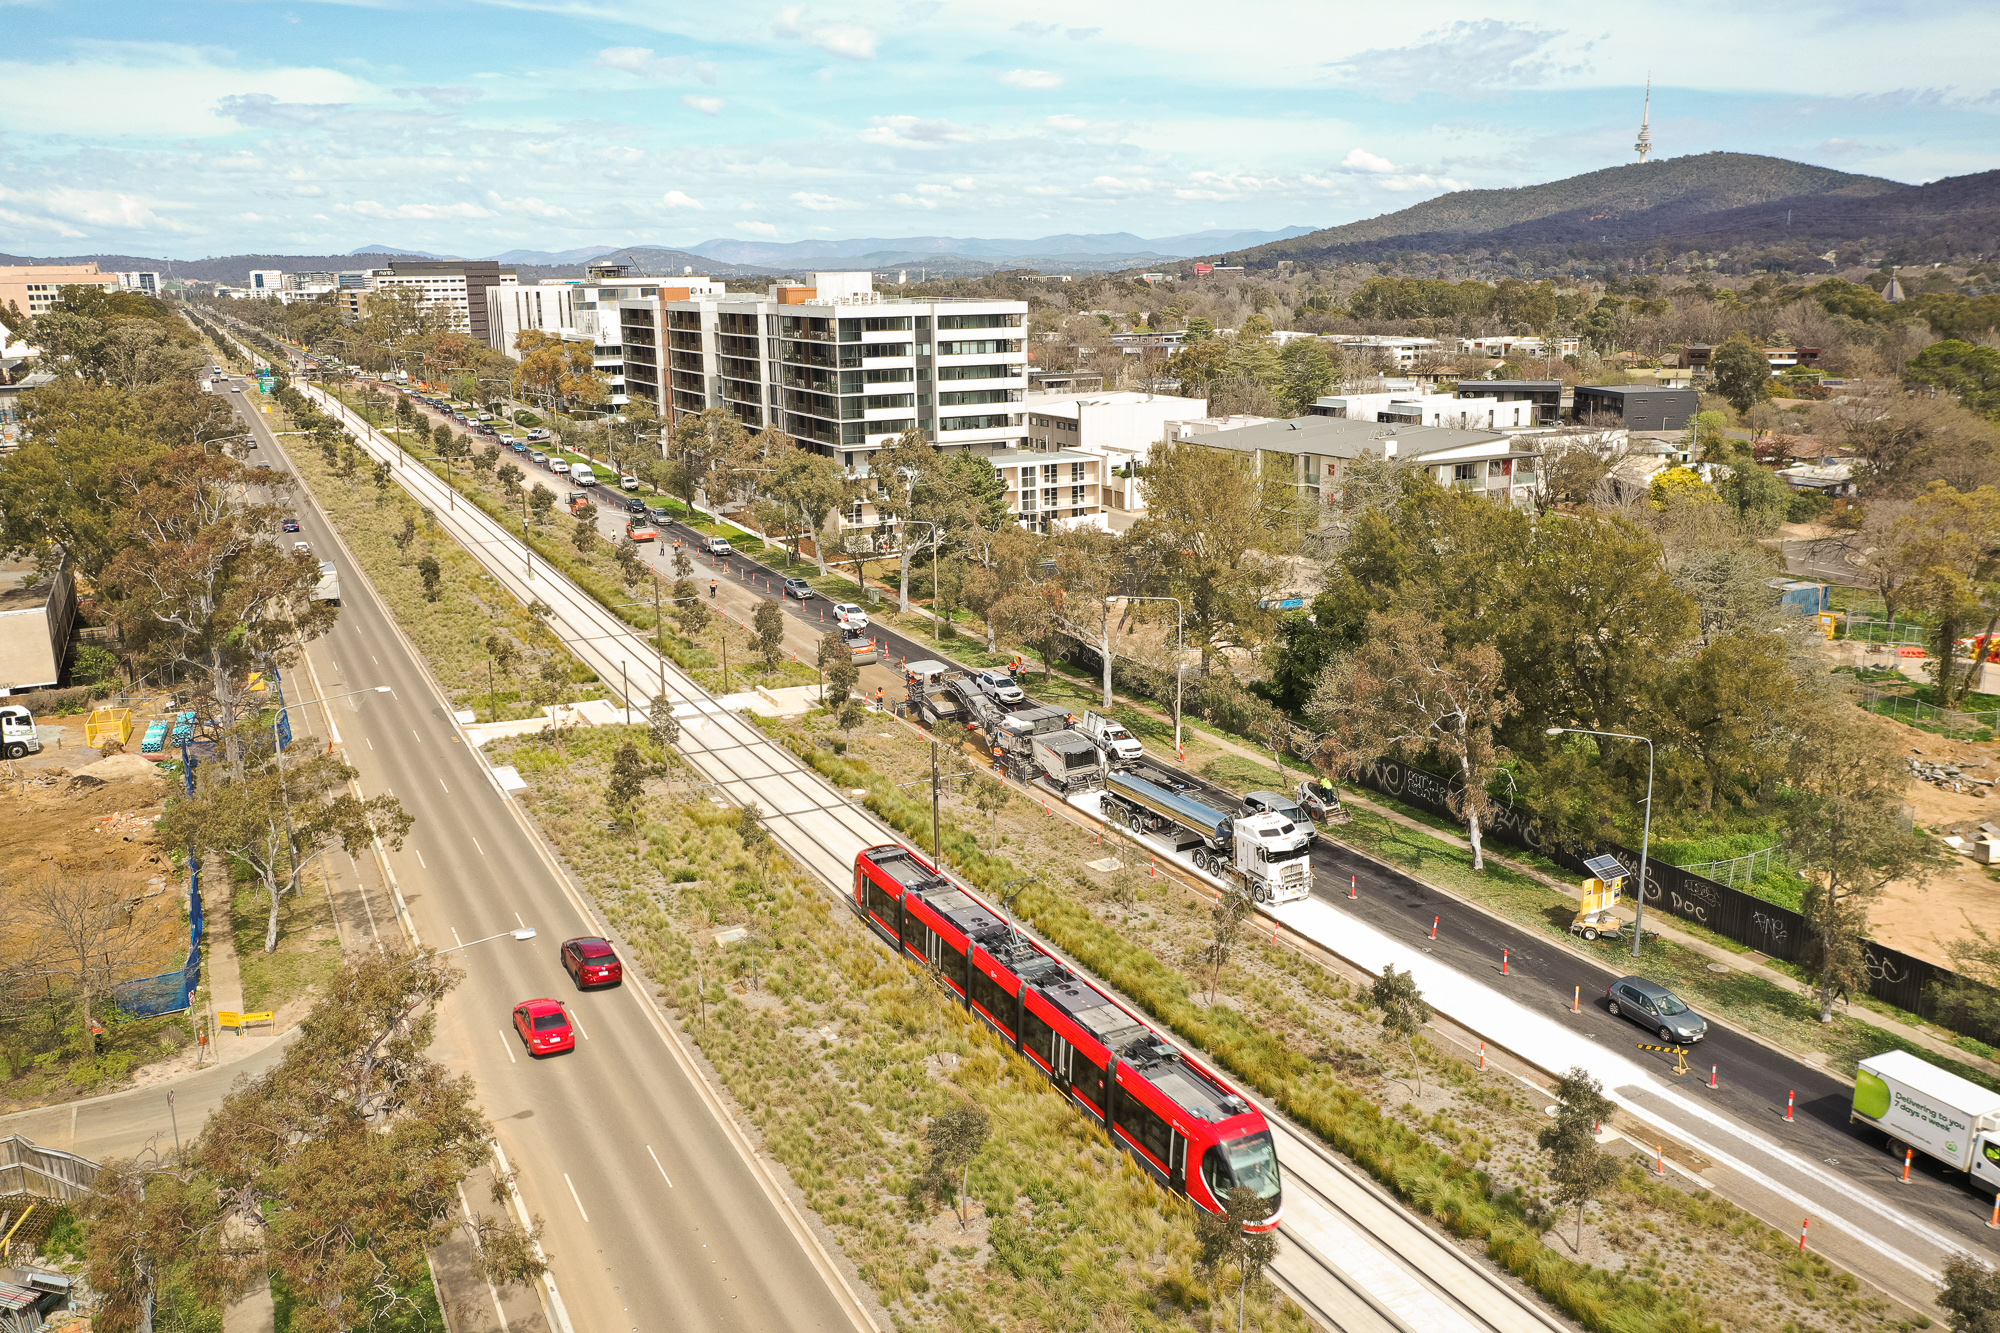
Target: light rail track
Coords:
[[1351, 1256]]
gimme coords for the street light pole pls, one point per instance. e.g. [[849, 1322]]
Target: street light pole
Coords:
[[1646, 828]]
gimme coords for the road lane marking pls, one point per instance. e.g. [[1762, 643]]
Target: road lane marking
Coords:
[[517, 921], [509, 1045], [656, 1162], [482, 852], [447, 790], [455, 939], [575, 1022], [376, 660], [418, 734], [371, 744], [420, 859], [574, 1195]]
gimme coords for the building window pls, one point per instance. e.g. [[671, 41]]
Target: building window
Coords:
[[1076, 495], [1076, 472], [1464, 471]]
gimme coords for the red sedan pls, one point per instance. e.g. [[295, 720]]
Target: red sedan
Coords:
[[543, 1027], [592, 962]]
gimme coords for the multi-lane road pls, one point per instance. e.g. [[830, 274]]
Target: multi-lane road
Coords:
[[659, 1216]]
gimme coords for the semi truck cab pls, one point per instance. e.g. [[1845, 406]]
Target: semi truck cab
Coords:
[[17, 732]]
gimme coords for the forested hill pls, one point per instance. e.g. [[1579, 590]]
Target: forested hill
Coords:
[[1651, 198]]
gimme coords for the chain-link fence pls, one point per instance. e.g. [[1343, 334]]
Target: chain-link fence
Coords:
[[1929, 717], [1893, 632], [1737, 871]]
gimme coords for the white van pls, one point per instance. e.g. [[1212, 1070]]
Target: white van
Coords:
[[581, 475]]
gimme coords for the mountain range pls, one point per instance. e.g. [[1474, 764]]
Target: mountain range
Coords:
[[1710, 202]]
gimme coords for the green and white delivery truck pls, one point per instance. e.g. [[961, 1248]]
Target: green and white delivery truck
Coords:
[[1917, 1105]]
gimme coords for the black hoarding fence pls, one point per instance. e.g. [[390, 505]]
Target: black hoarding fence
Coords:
[[1779, 932]]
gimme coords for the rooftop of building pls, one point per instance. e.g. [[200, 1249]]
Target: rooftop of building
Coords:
[[1070, 405], [1620, 390], [1018, 457], [1342, 437], [23, 587]]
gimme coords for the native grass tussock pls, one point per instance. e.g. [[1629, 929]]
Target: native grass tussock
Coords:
[[840, 1055], [1654, 1257]]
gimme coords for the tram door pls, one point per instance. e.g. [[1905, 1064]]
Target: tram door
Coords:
[[1177, 1151], [1063, 1054]]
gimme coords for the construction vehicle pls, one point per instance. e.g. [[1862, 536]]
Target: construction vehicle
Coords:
[[17, 732], [1264, 853], [1064, 759], [1121, 748], [1919, 1106]]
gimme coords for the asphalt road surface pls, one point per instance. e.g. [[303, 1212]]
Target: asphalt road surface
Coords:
[[656, 1217]]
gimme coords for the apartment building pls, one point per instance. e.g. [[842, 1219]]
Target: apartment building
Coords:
[[1501, 345], [1048, 490], [141, 281], [837, 365], [1468, 412], [1313, 451], [457, 287], [587, 309], [266, 281], [33, 288]]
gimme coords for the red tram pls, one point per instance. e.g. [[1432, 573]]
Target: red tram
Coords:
[[1187, 1128]]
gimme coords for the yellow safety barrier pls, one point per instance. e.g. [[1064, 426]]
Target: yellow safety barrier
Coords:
[[106, 724], [1679, 1054]]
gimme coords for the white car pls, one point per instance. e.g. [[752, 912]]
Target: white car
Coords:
[[539, 433], [560, 468], [629, 482], [849, 616]]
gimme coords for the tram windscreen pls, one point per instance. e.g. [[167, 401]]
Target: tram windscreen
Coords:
[[1250, 1162]]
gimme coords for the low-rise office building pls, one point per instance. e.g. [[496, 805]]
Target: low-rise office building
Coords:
[[1542, 400], [455, 287], [1313, 452], [33, 288], [1635, 406], [1428, 409]]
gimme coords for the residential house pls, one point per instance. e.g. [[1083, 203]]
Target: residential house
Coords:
[[1312, 452], [1635, 406]]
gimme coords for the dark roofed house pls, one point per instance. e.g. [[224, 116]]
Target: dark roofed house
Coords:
[[1546, 395], [1637, 406]]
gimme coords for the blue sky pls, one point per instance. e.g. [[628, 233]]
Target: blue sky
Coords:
[[197, 128]]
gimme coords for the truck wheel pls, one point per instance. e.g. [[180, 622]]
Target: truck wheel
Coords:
[[1897, 1148], [17, 750], [1262, 893], [1201, 859], [1590, 932]]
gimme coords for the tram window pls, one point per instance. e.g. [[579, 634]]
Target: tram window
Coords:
[[882, 904], [1038, 1037], [1138, 1120], [986, 993], [954, 964], [1088, 1079]]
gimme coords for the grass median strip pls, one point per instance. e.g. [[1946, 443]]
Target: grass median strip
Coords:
[[1463, 1152]]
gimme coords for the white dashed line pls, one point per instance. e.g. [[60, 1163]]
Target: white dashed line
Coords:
[[482, 850], [574, 1195], [656, 1162], [420, 859], [509, 1045]]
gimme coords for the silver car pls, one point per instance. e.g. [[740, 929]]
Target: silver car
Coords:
[[999, 687], [1657, 1009]]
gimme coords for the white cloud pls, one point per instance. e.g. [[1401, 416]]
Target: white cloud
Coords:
[[152, 89], [675, 199], [63, 210], [912, 132], [1071, 123], [642, 61], [1037, 80], [850, 41], [1363, 160], [369, 208], [1461, 58], [708, 106], [757, 228], [820, 203]]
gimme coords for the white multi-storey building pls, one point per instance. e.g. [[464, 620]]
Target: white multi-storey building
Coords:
[[836, 365], [455, 287], [587, 310], [145, 281], [266, 281]]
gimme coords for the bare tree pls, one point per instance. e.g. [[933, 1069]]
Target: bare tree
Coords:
[[87, 936]]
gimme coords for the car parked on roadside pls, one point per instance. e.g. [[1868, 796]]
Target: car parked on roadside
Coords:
[[543, 1026], [800, 589], [591, 961], [999, 687], [1655, 1008], [539, 433]]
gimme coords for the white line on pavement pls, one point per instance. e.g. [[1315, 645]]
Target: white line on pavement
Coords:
[[508, 1045], [447, 790], [656, 1162], [482, 850], [420, 859], [574, 1195]]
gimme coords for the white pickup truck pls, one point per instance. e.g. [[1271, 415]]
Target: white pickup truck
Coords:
[[1121, 748]]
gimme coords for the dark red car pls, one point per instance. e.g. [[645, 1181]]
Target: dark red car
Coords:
[[592, 962], [544, 1027]]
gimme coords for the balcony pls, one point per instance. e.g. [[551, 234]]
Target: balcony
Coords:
[[685, 342], [731, 345]]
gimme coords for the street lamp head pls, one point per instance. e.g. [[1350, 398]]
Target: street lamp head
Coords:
[[1555, 731], [524, 933], [1114, 599], [384, 689]]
